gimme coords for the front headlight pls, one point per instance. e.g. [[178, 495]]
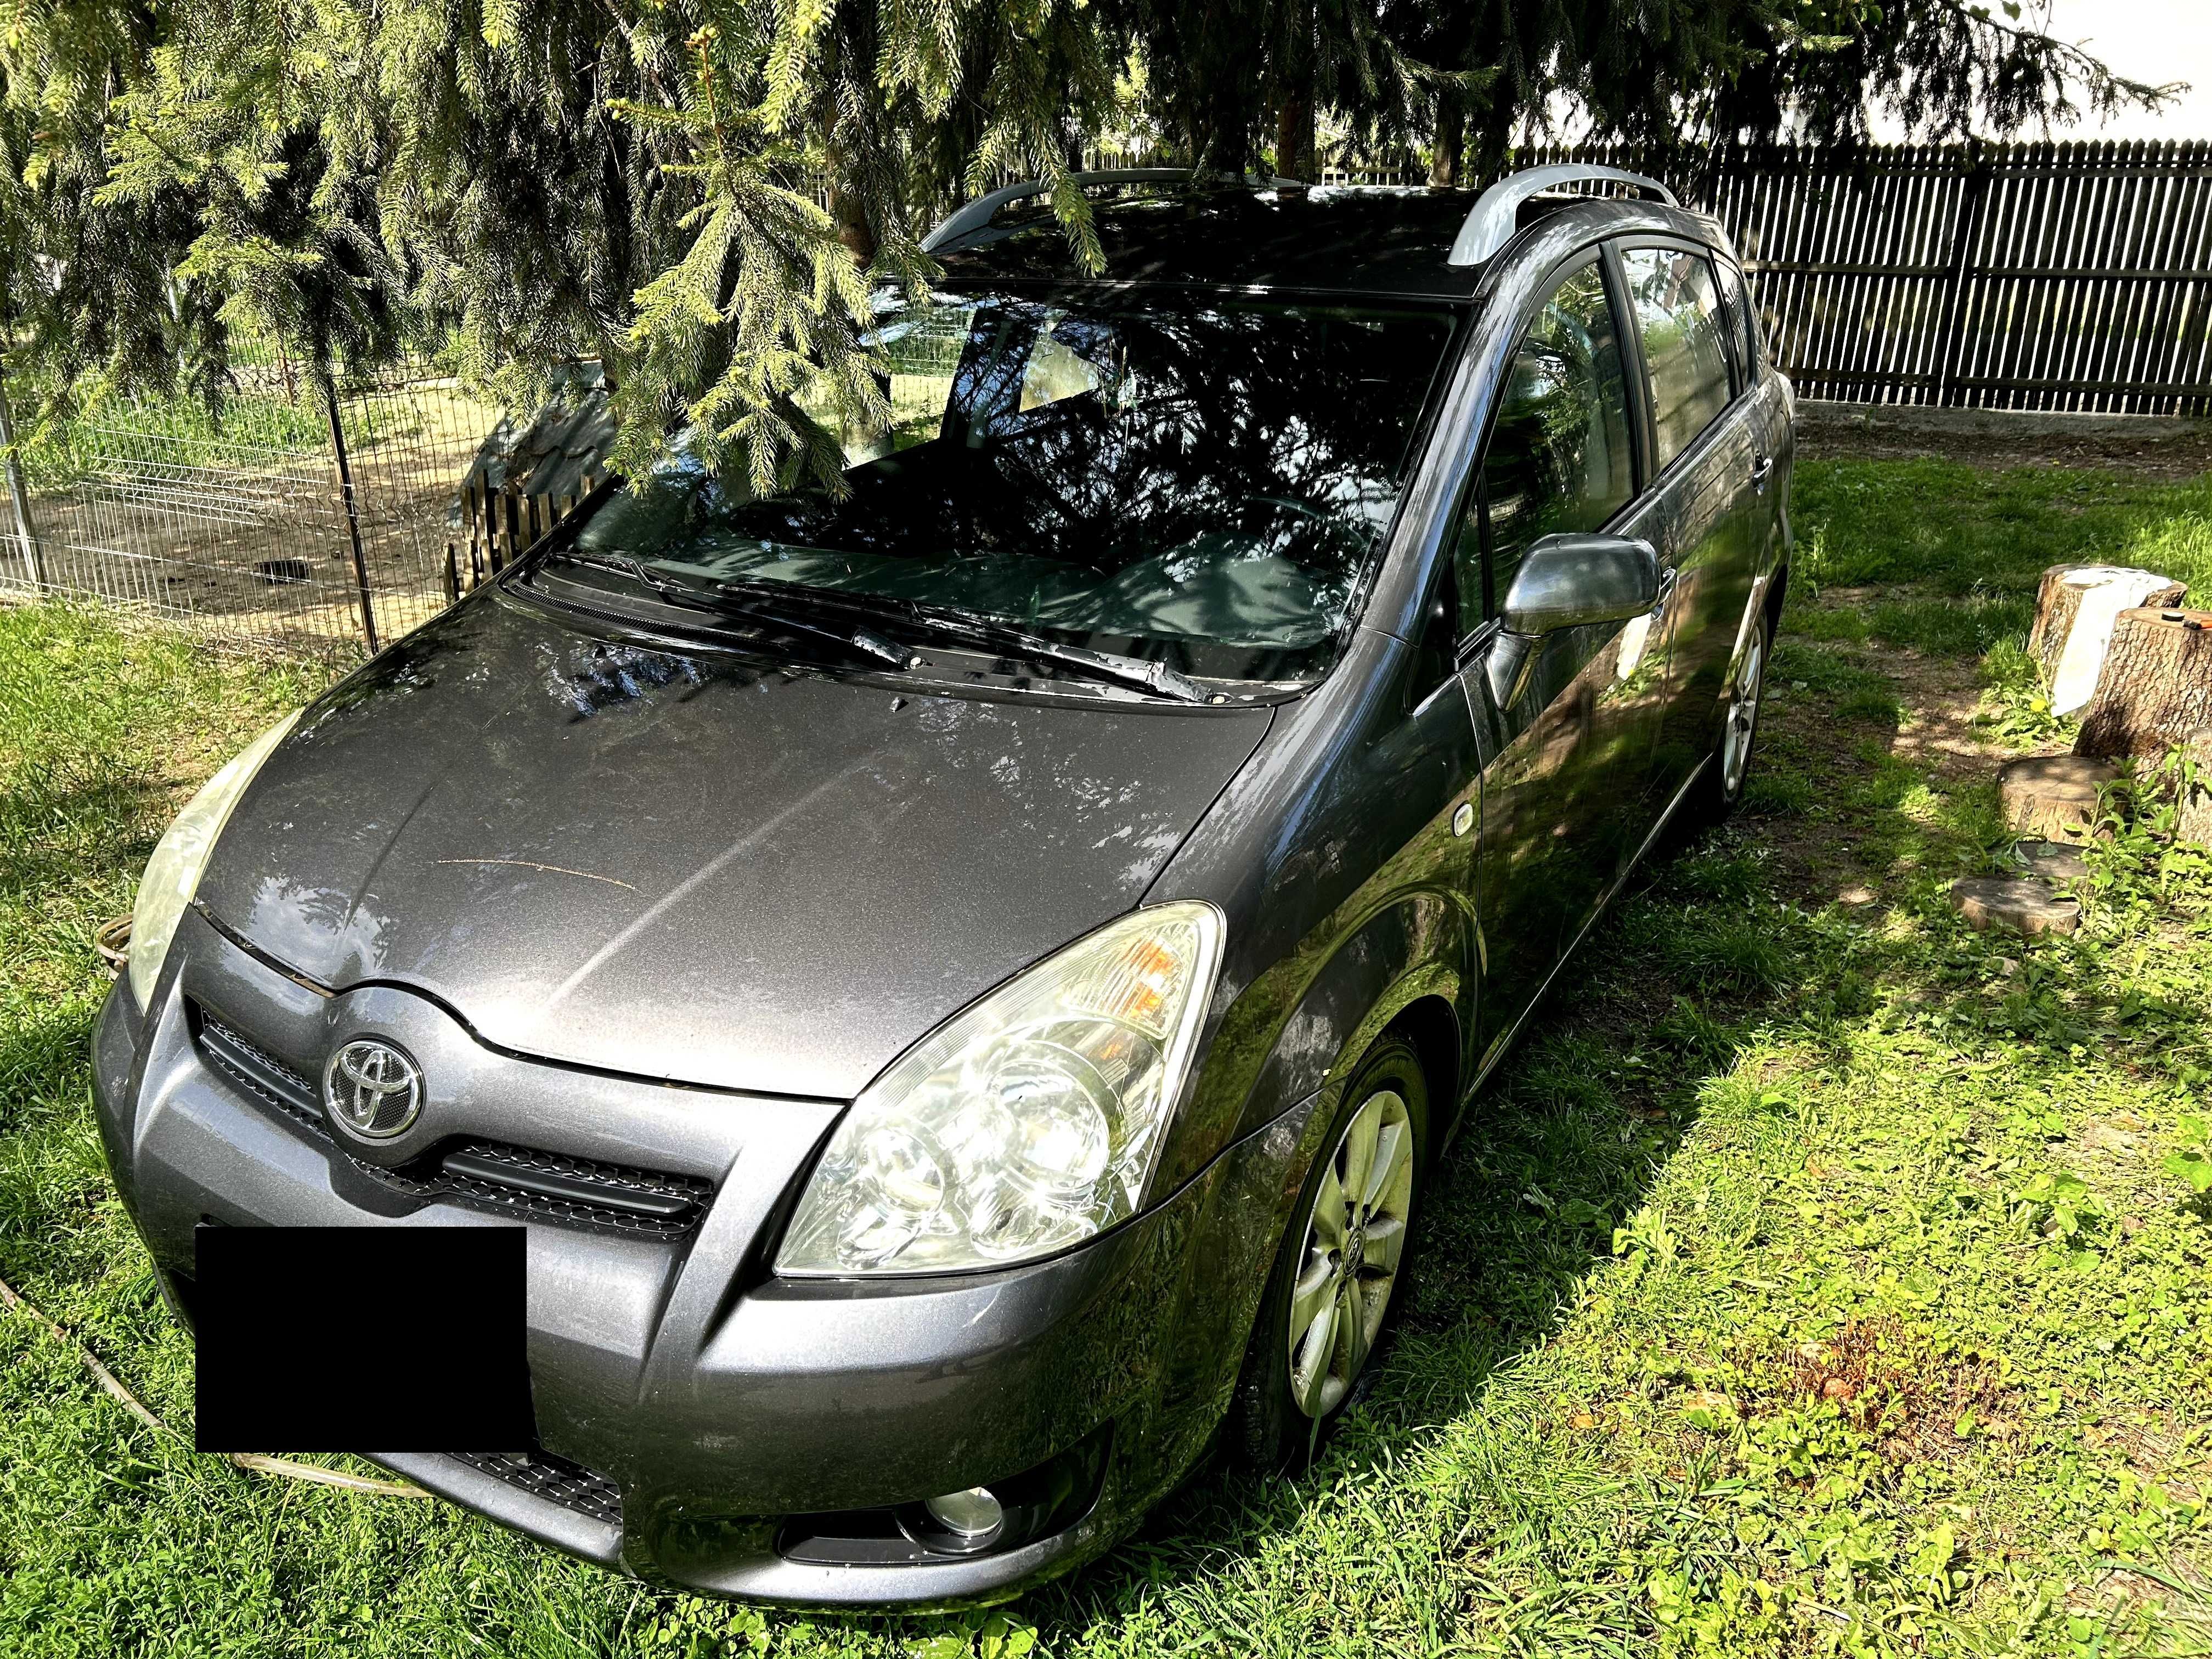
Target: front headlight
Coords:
[[1028, 1123], [172, 874]]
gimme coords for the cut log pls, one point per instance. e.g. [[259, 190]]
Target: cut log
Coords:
[[2194, 821], [2074, 606], [2053, 796], [2057, 862], [2019, 902], [2156, 691]]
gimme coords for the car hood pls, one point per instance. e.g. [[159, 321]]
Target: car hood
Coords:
[[679, 863]]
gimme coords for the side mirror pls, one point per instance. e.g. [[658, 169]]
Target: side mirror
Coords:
[[1568, 581], [1573, 582]]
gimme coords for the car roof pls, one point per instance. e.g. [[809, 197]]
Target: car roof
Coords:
[[1383, 241]]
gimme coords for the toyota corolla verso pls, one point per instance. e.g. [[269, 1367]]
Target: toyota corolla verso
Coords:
[[963, 972]]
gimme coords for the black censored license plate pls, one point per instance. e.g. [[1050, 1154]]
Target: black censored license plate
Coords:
[[360, 1338]]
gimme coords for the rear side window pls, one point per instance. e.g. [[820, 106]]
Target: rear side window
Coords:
[[1558, 458], [1678, 313], [1743, 327]]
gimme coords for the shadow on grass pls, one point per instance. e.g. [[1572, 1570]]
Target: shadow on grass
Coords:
[[1719, 949]]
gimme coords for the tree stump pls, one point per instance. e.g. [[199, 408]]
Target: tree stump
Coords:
[[2156, 690], [2074, 605], [2020, 904], [2194, 821], [2052, 796]]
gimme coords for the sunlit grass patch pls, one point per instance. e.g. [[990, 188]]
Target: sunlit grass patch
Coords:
[[1967, 532], [1952, 626]]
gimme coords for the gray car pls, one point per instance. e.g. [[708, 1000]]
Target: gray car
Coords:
[[963, 971]]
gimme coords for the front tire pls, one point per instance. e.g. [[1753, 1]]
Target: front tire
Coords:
[[1344, 1259]]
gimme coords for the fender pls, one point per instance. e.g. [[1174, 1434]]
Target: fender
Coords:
[[1319, 1011], [1298, 1029]]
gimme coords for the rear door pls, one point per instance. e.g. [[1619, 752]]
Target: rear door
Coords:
[[1707, 487], [1766, 400]]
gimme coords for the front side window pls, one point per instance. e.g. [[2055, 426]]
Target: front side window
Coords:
[[1678, 313], [1202, 480], [1558, 459]]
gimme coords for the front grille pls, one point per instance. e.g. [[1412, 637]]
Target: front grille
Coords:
[[488, 1174], [556, 1480], [260, 1073], [560, 1187]]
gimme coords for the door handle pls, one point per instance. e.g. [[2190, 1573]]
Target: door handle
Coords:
[[1761, 471]]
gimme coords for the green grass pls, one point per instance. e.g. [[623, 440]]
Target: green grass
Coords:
[[1822, 1278], [1965, 531], [58, 452]]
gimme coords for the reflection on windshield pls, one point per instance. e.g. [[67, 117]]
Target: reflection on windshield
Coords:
[[1205, 482]]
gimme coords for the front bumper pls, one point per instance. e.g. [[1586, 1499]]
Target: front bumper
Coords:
[[712, 1401]]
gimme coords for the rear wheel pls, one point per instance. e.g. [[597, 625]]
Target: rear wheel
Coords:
[[1721, 788], [1336, 1277], [1741, 725]]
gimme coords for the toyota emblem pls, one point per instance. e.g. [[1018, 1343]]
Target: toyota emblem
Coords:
[[372, 1089]]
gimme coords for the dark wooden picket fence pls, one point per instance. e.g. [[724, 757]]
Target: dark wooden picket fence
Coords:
[[2042, 276]]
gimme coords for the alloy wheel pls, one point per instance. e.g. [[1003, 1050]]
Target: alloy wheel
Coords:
[[1355, 1239], [1742, 718]]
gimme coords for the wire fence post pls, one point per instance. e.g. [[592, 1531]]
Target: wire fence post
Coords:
[[352, 510], [34, 554]]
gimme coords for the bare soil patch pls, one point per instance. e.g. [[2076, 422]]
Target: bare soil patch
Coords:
[[2155, 448]]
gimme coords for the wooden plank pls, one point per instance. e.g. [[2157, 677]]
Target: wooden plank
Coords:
[[2189, 210], [2090, 337], [1905, 294], [2164, 246], [2072, 299], [1935, 203], [2029, 315], [1843, 226], [2121, 300], [1871, 296]]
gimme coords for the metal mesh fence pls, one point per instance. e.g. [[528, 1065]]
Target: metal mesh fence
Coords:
[[243, 534]]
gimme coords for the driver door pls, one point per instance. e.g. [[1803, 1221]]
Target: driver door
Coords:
[[1571, 737]]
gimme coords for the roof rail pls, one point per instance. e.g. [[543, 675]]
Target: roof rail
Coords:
[[979, 213], [1497, 212]]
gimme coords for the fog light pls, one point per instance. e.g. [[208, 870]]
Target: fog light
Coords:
[[971, 1514]]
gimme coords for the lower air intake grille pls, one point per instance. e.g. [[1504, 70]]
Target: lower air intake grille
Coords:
[[554, 1479], [488, 1174]]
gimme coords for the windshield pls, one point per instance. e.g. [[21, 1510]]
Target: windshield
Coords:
[[1202, 482]]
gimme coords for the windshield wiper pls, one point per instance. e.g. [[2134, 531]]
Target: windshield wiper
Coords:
[[775, 603], [1156, 678], [731, 599]]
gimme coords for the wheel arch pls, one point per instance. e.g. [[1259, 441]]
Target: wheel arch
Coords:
[[1408, 965]]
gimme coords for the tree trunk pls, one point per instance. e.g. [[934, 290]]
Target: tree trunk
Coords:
[[1294, 106], [1294, 138], [849, 214], [2194, 821], [1451, 139], [2074, 610], [2156, 690], [19, 493]]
